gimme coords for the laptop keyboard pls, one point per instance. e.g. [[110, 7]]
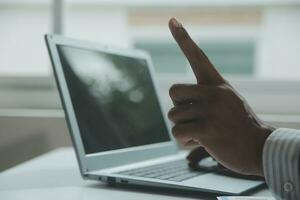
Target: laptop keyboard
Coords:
[[173, 171]]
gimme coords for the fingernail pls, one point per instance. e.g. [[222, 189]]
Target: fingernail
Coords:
[[176, 23]]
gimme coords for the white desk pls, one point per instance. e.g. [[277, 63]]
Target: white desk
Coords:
[[55, 175]]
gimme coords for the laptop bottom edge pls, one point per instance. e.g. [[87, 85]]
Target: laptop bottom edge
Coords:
[[156, 185]]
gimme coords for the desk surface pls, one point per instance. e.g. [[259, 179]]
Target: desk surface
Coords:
[[55, 175]]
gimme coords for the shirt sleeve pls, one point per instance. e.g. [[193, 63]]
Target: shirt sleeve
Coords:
[[281, 156]]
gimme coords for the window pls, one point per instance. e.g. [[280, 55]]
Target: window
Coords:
[[255, 47], [22, 49], [166, 57], [241, 43], [233, 58]]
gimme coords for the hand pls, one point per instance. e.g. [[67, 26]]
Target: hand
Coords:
[[213, 115]]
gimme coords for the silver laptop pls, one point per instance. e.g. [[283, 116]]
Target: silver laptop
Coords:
[[114, 114]]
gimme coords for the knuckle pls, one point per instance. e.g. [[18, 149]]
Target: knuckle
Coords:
[[176, 131], [219, 92], [173, 89], [228, 93], [186, 144], [223, 86], [223, 89], [171, 113]]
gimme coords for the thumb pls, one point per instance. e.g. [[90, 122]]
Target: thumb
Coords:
[[196, 155]]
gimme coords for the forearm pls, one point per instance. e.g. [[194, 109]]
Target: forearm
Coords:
[[281, 155]]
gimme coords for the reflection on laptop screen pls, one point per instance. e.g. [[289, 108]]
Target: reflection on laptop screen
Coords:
[[113, 98]]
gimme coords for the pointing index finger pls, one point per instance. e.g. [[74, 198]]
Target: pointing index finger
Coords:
[[203, 69]]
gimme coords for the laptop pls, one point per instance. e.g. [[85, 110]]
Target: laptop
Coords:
[[116, 121]]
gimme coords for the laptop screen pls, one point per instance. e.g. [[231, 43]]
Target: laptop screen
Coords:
[[114, 100]]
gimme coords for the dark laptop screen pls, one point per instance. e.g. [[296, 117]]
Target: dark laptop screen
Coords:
[[113, 98]]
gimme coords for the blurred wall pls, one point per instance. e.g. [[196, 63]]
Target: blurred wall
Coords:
[[24, 137], [28, 129], [279, 43]]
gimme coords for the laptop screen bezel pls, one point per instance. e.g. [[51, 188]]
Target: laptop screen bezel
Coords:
[[106, 159]]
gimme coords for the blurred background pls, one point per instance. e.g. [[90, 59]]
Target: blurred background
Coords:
[[255, 44]]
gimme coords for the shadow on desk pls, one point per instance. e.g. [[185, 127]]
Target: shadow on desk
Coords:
[[55, 175], [68, 177], [163, 191]]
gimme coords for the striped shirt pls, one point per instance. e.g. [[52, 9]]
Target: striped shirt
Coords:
[[281, 157]]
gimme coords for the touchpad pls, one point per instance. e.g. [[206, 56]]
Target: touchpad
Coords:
[[222, 183]]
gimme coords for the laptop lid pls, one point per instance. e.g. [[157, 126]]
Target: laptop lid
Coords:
[[111, 104]]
